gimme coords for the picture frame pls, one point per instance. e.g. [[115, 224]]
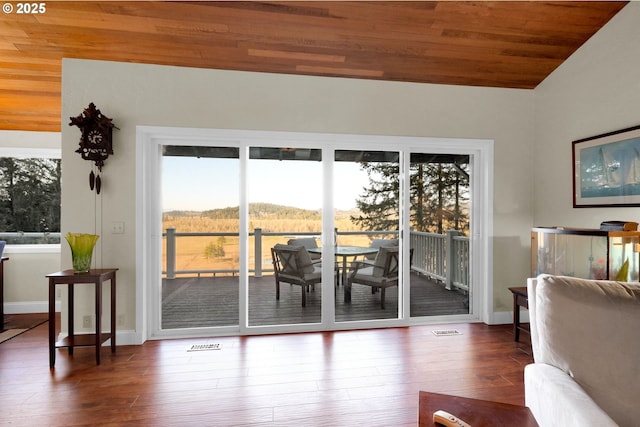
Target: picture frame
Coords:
[[606, 169]]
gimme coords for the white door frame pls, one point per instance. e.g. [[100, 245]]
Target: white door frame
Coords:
[[149, 142]]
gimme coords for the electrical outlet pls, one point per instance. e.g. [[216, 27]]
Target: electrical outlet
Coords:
[[120, 320], [58, 293], [87, 321], [117, 227]]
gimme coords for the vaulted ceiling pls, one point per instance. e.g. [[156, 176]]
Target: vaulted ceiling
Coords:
[[495, 44]]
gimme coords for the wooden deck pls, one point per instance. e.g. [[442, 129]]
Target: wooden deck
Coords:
[[213, 301]]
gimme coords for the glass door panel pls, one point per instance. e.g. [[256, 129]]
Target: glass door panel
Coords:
[[200, 222], [285, 221], [439, 238], [367, 220]]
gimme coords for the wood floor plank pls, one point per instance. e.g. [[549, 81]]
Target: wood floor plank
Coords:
[[341, 378]]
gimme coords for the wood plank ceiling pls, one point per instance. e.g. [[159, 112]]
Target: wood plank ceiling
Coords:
[[495, 44]]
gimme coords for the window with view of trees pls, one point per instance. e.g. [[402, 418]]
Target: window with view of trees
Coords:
[[439, 186], [29, 200]]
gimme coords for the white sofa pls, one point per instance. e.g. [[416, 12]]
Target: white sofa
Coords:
[[586, 346]]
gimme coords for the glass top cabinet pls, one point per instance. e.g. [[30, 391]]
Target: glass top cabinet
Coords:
[[585, 253]]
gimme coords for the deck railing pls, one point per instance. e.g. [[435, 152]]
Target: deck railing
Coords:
[[443, 257]]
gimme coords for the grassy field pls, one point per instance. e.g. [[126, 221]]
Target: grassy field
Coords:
[[222, 253]]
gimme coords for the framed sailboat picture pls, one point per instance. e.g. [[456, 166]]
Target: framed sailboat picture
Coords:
[[606, 169]]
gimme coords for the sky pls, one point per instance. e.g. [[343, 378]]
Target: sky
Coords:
[[189, 183]]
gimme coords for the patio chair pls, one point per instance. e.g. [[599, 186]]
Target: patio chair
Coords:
[[378, 243], [382, 274], [307, 243], [292, 264]]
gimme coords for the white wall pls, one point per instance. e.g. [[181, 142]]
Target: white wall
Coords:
[[596, 91], [135, 94], [23, 139], [25, 285]]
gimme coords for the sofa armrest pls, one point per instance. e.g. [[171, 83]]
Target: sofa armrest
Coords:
[[555, 399]]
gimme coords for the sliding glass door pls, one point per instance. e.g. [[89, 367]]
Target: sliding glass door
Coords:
[[398, 246], [284, 187], [440, 216], [366, 197], [200, 225]]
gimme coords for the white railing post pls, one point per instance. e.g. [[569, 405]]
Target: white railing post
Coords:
[[258, 251], [171, 253], [451, 259]]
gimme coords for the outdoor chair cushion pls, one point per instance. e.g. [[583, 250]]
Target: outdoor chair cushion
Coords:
[[302, 259], [378, 243], [381, 258], [308, 243], [369, 274]]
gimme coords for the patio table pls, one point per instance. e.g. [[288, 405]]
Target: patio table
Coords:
[[346, 252]]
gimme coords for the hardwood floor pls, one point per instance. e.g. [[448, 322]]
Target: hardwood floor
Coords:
[[344, 378]]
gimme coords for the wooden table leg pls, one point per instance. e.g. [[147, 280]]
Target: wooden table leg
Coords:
[[516, 318], [98, 299], [70, 315], [52, 324], [113, 314], [520, 299]]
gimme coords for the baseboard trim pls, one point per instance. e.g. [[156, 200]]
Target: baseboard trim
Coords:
[[131, 337], [29, 307], [506, 317]]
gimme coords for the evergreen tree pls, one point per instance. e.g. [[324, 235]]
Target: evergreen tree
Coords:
[[439, 197], [29, 195], [378, 205]]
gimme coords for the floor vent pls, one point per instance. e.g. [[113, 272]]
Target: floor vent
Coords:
[[205, 347], [446, 332]]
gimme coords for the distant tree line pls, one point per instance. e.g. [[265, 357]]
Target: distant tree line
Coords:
[[264, 211], [29, 195]]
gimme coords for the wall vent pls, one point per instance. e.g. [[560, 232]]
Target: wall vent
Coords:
[[205, 347], [446, 332]]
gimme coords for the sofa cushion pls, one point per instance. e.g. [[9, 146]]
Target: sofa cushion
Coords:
[[553, 396], [590, 329]]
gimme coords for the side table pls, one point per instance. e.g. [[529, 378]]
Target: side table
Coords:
[[69, 278], [2, 260], [520, 299]]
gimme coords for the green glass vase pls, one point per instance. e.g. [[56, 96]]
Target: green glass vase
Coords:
[[82, 245]]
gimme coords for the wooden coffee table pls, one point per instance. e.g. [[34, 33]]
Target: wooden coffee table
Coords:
[[475, 412]]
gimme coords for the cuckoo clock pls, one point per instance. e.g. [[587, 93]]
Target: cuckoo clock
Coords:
[[95, 141]]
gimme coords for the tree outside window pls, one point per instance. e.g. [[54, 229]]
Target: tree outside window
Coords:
[[439, 187], [30, 200]]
